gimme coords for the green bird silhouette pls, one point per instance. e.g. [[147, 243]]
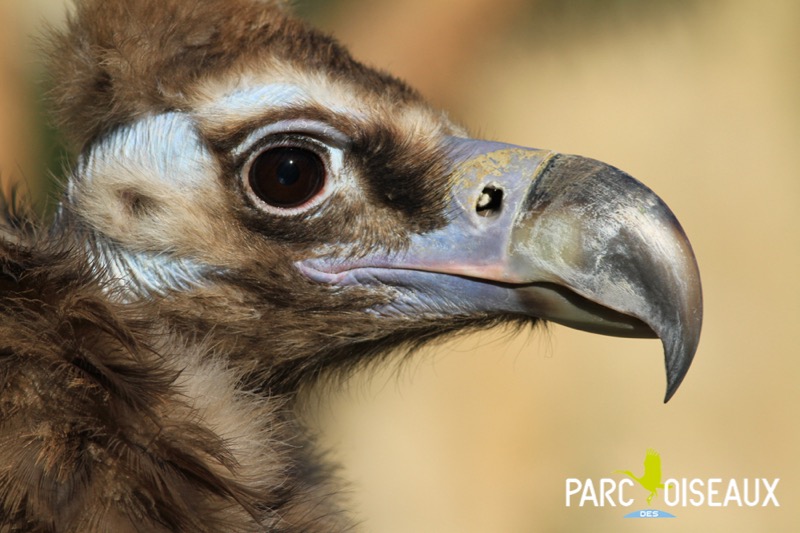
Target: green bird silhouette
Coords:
[[651, 479]]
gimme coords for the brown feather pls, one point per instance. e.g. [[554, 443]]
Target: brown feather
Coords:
[[101, 428], [121, 60], [175, 412]]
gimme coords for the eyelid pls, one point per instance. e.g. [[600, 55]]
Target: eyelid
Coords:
[[321, 131], [289, 139]]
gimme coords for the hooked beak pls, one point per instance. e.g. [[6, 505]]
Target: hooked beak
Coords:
[[554, 236]]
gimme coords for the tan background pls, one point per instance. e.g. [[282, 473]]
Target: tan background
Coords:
[[701, 100]]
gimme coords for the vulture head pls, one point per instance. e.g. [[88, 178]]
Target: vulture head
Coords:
[[249, 209]]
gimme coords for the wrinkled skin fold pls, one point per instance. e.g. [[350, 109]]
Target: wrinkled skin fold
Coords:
[[558, 237]]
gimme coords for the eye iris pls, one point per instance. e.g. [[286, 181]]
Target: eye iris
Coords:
[[287, 177]]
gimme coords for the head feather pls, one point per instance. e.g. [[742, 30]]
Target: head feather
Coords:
[[117, 60]]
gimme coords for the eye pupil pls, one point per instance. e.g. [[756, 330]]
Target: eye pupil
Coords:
[[288, 173], [287, 176]]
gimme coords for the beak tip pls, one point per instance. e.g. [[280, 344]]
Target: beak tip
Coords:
[[678, 359], [671, 390], [674, 380]]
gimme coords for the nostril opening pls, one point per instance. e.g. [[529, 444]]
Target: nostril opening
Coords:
[[489, 202]]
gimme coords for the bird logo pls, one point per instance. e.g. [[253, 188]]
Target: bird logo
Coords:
[[651, 479]]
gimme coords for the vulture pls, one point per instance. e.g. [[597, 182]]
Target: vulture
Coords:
[[250, 209]]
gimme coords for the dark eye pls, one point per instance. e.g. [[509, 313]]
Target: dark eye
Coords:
[[287, 176]]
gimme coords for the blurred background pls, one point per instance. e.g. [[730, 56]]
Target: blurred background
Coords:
[[698, 99]]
